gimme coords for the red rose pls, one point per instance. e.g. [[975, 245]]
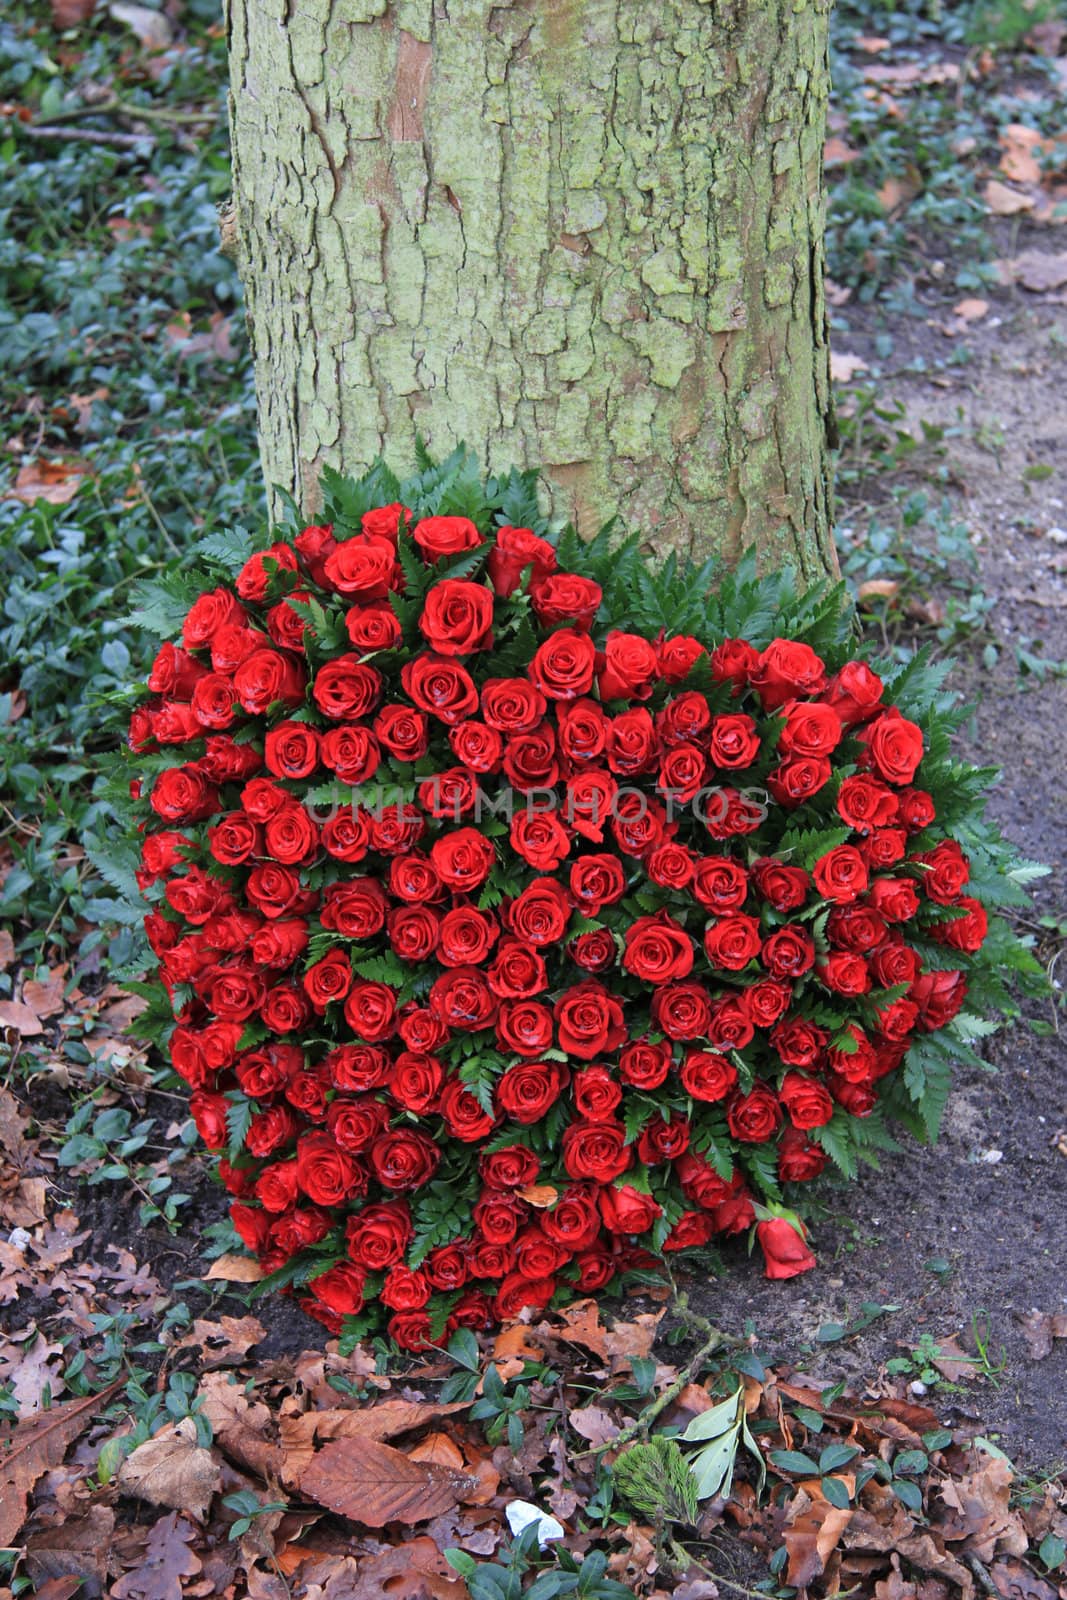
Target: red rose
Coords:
[[362, 568], [734, 742], [562, 667], [796, 780], [633, 747], [291, 750], [566, 597], [513, 1167], [589, 1021], [404, 1290], [645, 1065], [784, 1247], [385, 522], [864, 803], [734, 661], [355, 1124], [594, 951], [662, 1140], [527, 1091], [448, 796], [596, 1150], [417, 1081], [789, 953], [799, 1043], [627, 1210], [524, 1028], [404, 1160], [686, 719], [530, 758], [678, 656], [462, 859], [946, 871], [895, 746], [754, 1117], [627, 668], [657, 949], [939, 997], [377, 1236], [370, 1011], [445, 536], [465, 938], [476, 746], [841, 874], [799, 1160], [682, 773], [512, 705], [182, 794], [855, 692], [518, 971], [457, 617], [440, 686], [328, 980], [313, 545], [346, 835], [346, 689], [806, 1100], [884, 847], [573, 1221], [465, 1118], [326, 1173], [410, 1330], [403, 732], [260, 569], [966, 933], [207, 615], [916, 809], [707, 1076], [672, 866], [766, 1001], [374, 627], [515, 550], [290, 836], [844, 973], [733, 942], [540, 914], [682, 1010], [463, 1000], [266, 676], [596, 1094], [540, 838], [895, 899], [517, 1292], [787, 670]]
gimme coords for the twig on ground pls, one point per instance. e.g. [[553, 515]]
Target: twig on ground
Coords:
[[124, 141]]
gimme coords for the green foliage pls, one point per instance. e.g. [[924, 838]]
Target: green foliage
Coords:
[[121, 346], [655, 1479]]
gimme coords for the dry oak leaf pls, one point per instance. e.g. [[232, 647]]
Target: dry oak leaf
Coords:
[[413, 1571], [373, 1484], [167, 1560], [29, 1373], [386, 1420], [30, 1448], [171, 1469], [898, 1533], [241, 1426], [224, 1343], [56, 482], [46, 998], [1020, 145], [981, 1512]]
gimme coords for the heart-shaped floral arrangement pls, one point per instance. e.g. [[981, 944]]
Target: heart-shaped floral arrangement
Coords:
[[529, 914]]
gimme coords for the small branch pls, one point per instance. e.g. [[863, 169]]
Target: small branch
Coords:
[[123, 141], [129, 109], [639, 1428]]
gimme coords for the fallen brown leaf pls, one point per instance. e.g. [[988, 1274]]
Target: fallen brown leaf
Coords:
[[373, 1484], [1037, 270], [69, 13], [7, 947], [980, 1512], [1039, 1330], [56, 482], [46, 998], [72, 1546], [234, 1269], [171, 1469], [971, 310], [810, 1537], [31, 1448], [167, 1560], [595, 1424], [844, 367], [876, 589], [389, 1419], [1005, 202], [225, 1342], [15, 1014], [241, 1426]]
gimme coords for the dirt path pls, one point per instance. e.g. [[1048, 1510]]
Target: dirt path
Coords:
[[997, 1221]]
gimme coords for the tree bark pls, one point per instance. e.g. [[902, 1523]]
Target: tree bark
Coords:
[[580, 234]]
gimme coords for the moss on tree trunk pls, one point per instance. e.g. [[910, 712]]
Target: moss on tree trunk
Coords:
[[585, 234]]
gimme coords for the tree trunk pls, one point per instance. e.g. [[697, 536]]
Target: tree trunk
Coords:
[[580, 234]]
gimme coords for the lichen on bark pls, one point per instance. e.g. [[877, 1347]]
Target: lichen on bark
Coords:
[[582, 234]]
